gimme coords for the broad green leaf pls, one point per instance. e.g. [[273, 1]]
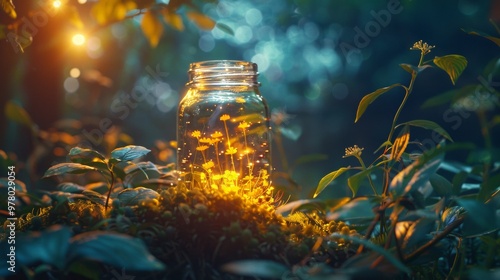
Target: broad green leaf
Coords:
[[428, 125], [458, 180], [129, 152], [133, 197], [152, 28], [452, 96], [414, 69], [385, 144], [256, 268], [369, 98], [8, 8], [417, 174], [173, 19], [118, 250], [327, 179], [452, 64], [480, 218], [70, 187], [354, 182], [495, 40], [414, 233], [441, 185], [360, 208], [138, 172], [17, 114], [400, 144], [201, 20], [489, 187], [47, 247], [311, 204], [67, 167], [83, 155], [225, 28], [379, 250]]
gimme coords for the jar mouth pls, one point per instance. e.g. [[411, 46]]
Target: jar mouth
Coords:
[[223, 72]]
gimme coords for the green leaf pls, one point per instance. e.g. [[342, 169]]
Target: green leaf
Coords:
[[311, 204], [17, 114], [400, 144], [369, 98], [47, 247], [414, 69], [414, 233], [327, 179], [417, 174], [129, 152], [152, 28], [118, 250], [480, 218], [379, 250], [67, 167], [136, 173], [256, 268], [428, 125], [441, 185], [495, 40], [452, 64], [70, 187], [225, 28], [354, 182], [360, 208], [132, 197], [83, 155]]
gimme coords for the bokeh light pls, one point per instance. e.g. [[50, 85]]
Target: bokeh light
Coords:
[[57, 4], [71, 84], [78, 39], [74, 72]]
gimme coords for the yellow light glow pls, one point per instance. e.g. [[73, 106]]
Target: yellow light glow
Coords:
[[78, 39], [82, 1], [57, 4], [74, 72]]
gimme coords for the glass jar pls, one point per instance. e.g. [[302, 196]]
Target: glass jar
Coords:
[[223, 130]]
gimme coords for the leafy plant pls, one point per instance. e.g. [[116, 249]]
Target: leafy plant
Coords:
[[413, 226], [118, 165]]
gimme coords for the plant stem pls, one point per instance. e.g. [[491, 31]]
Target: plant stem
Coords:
[[435, 240], [110, 187]]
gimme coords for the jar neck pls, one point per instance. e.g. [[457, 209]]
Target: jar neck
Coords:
[[223, 73]]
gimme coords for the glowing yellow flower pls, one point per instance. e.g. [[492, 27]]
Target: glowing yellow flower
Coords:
[[230, 175], [240, 100], [231, 151], [206, 140], [208, 165], [216, 134], [196, 134], [225, 117], [202, 148], [243, 125]]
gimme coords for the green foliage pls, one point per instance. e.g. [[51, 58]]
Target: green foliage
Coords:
[[413, 212], [57, 247]]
